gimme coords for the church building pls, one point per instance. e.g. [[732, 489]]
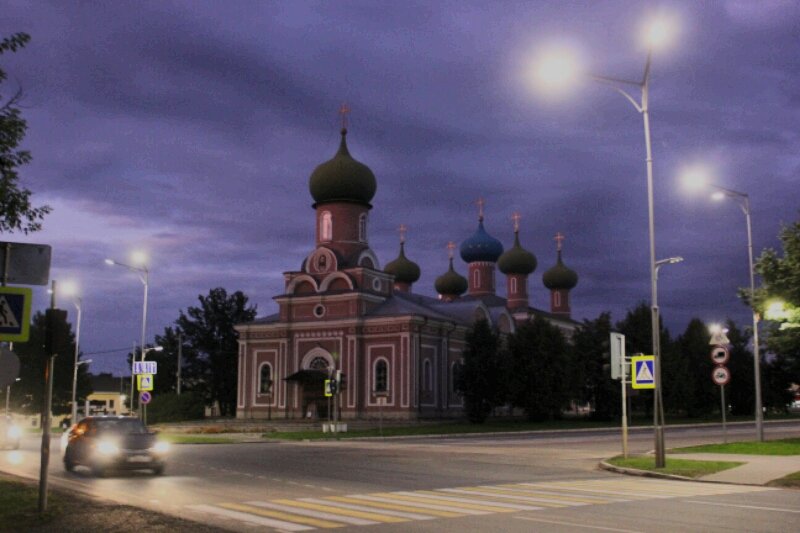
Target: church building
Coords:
[[398, 352]]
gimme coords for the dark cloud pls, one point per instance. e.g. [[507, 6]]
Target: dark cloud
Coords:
[[190, 129]]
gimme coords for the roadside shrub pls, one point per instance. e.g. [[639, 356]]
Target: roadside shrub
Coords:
[[173, 407]]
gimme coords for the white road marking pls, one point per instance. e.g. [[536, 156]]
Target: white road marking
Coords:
[[380, 510], [563, 503], [572, 524], [777, 509], [314, 514], [446, 498], [459, 510], [253, 519]]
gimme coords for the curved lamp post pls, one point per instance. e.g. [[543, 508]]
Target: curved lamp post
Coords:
[[564, 70]]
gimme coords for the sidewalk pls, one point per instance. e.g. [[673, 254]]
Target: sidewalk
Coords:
[[757, 470]]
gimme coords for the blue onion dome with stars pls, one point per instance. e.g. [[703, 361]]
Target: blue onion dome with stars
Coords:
[[342, 179], [481, 246], [403, 269], [560, 276], [517, 260]]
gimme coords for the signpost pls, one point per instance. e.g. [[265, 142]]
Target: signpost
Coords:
[[24, 264], [145, 397], [721, 375], [643, 372], [619, 371], [15, 313]]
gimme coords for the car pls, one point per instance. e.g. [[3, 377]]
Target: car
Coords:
[[106, 443], [10, 433]]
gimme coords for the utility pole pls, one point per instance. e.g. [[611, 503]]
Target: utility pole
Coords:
[[180, 356]]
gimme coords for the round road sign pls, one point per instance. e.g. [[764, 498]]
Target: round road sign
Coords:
[[721, 375], [145, 397], [720, 354]]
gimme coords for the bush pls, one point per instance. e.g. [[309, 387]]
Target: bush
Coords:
[[173, 407]]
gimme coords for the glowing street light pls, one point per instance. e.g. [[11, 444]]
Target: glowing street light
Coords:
[[698, 178], [561, 68], [69, 288]]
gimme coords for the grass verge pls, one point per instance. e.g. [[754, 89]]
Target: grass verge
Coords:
[[770, 447], [792, 481], [676, 467], [192, 438], [19, 506]]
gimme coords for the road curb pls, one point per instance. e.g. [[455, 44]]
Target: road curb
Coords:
[[649, 473]]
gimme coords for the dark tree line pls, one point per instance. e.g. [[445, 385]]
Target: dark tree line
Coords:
[[541, 371]]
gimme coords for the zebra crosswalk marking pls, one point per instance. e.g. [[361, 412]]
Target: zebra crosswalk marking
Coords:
[[397, 510], [249, 518], [554, 495], [627, 494], [541, 502], [449, 502], [438, 494], [313, 513], [289, 517], [422, 504], [372, 516]]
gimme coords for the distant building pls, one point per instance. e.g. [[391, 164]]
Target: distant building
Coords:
[[399, 352], [108, 396]]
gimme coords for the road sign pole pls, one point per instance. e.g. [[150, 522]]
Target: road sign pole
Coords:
[[624, 413], [724, 427], [48, 388]]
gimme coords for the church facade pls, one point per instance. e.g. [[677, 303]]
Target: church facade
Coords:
[[398, 353]]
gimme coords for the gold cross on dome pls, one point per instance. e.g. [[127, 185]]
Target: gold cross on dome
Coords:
[[450, 247], [559, 238], [344, 110], [481, 202], [402, 229], [516, 218]]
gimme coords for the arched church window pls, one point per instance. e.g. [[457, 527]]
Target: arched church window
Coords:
[[381, 376], [556, 299], [326, 226], [514, 285], [362, 227], [457, 377], [476, 278], [265, 379], [427, 375], [318, 363]]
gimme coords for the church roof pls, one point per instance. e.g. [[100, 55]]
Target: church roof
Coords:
[[342, 179], [403, 269], [451, 283], [517, 260], [560, 276]]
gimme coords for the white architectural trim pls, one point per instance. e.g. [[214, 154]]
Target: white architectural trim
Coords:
[[369, 253], [254, 379], [296, 281], [369, 378], [435, 390], [323, 286]]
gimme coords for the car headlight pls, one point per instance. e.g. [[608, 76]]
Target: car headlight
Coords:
[[107, 448], [14, 433], [161, 447]]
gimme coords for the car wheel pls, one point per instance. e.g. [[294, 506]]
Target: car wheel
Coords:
[[159, 470], [69, 466], [99, 470]]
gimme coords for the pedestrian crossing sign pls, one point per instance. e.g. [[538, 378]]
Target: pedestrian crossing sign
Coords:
[[643, 375], [15, 314], [144, 382]]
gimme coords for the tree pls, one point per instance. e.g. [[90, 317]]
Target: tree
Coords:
[[16, 212], [482, 382], [702, 395], [781, 282], [538, 382], [28, 394], [211, 345], [637, 328], [739, 392], [591, 358]]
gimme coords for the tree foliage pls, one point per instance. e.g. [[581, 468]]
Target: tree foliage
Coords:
[[482, 382], [210, 353], [591, 355], [539, 356], [16, 212]]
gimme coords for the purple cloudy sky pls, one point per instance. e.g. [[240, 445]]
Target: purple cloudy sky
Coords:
[[190, 129]]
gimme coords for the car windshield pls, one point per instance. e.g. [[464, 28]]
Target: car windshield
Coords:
[[120, 425]]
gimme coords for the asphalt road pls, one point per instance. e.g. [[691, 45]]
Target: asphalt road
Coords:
[[542, 482]]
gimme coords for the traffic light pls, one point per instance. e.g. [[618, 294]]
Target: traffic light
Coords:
[[56, 335]]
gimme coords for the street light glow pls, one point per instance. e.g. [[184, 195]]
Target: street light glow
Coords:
[[659, 32], [556, 70], [110, 262], [776, 310], [68, 288], [139, 257], [695, 178]]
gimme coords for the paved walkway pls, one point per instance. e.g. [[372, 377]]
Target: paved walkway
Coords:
[[757, 470]]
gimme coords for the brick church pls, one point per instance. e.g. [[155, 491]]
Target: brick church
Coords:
[[398, 351]]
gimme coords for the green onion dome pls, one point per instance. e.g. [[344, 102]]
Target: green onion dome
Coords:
[[451, 283], [481, 246], [342, 179], [403, 269], [517, 260], [560, 277]]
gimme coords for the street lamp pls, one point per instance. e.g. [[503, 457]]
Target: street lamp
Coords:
[[697, 178], [144, 277], [657, 34], [74, 386], [8, 393]]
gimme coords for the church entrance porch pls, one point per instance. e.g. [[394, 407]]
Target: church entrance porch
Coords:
[[310, 384]]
